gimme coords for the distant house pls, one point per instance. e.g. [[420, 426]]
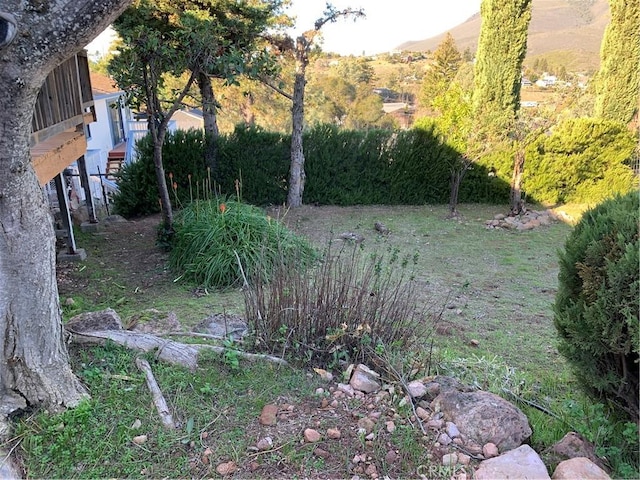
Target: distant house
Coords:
[[189, 119]]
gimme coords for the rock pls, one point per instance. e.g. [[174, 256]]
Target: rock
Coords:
[[366, 424], [573, 445], [444, 439], [391, 427], [579, 467], [311, 435], [435, 424], [464, 459], [452, 430], [140, 439], [391, 456], [484, 417], [265, 444], [450, 459], [364, 379], [422, 413], [324, 375], [416, 389], [153, 321], [93, 321], [223, 325], [499, 216], [319, 452], [226, 468], [520, 463], [489, 450], [333, 433], [345, 389], [371, 470], [136, 424], [380, 227], [269, 415], [69, 302]]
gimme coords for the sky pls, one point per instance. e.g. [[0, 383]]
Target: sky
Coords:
[[388, 23]]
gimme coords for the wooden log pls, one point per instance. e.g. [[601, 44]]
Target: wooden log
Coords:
[[158, 398], [184, 354]]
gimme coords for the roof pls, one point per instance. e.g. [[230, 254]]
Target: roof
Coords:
[[103, 85]]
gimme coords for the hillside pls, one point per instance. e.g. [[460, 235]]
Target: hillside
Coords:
[[567, 31]]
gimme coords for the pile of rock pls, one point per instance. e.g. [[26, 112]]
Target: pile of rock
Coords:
[[480, 426], [527, 220]]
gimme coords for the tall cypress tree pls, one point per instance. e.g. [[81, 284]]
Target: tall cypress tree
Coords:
[[446, 62], [501, 50], [618, 81]]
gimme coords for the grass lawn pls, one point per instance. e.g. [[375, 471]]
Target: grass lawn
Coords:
[[495, 289]]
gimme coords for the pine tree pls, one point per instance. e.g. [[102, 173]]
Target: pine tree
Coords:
[[618, 81], [501, 50], [446, 62]]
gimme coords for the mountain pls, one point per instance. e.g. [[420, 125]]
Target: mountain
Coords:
[[564, 31]]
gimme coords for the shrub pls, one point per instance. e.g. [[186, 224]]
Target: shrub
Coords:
[[584, 160], [212, 236], [348, 309], [597, 306]]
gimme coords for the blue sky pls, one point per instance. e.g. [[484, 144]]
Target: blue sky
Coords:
[[387, 24]]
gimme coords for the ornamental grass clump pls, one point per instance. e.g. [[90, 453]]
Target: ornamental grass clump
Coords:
[[217, 243], [349, 308]]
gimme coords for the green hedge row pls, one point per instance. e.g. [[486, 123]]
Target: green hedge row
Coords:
[[582, 160]]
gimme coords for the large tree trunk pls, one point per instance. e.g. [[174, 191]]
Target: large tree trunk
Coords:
[[210, 121], [296, 174], [35, 370]]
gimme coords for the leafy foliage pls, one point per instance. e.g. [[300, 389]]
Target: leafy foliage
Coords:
[[583, 160], [618, 81], [446, 62], [597, 306], [216, 242]]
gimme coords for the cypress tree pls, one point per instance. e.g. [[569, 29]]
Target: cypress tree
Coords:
[[618, 81], [443, 69], [501, 50]]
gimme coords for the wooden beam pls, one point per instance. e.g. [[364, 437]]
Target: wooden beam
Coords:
[[52, 156]]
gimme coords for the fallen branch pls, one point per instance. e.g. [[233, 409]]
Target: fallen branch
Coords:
[[156, 393], [184, 354]]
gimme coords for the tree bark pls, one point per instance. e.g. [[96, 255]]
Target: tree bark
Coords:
[[35, 370], [296, 174], [209, 106], [516, 183]]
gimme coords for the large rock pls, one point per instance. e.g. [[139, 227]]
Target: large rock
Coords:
[[364, 379], [572, 445], [520, 463], [484, 417], [579, 467], [95, 321]]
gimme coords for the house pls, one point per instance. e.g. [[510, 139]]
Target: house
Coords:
[[63, 109]]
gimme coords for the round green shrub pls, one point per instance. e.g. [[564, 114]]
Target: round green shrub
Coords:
[[212, 237], [597, 306]]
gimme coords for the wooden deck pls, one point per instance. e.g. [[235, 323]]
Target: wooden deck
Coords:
[[53, 155]]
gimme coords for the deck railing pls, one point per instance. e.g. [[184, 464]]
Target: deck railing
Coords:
[[64, 99]]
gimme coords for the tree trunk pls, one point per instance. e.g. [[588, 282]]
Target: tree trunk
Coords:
[[297, 175], [210, 122], [163, 190], [516, 183], [248, 114], [35, 365]]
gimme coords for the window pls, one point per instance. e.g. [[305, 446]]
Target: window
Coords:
[[117, 125]]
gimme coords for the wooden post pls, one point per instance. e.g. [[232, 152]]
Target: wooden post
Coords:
[[84, 181], [63, 203]]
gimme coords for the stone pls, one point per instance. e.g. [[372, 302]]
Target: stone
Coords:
[[422, 413], [265, 444], [268, 416], [371, 470], [391, 426], [311, 435], [484, 417], [450, 459], [140, 439], [333, 433], [452, 430], [319, 452], [416, 389], [93, 321], [489, 450], [435, 424], [573, 445], [153, 321], [520, 463], [226, 468], [579, 467], [444, 439], [464, 459], [364, 379], [223, 325], [366, 424], [346, 389], [391, 456]]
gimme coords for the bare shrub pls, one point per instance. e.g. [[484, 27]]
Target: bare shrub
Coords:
[[349, 308]]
